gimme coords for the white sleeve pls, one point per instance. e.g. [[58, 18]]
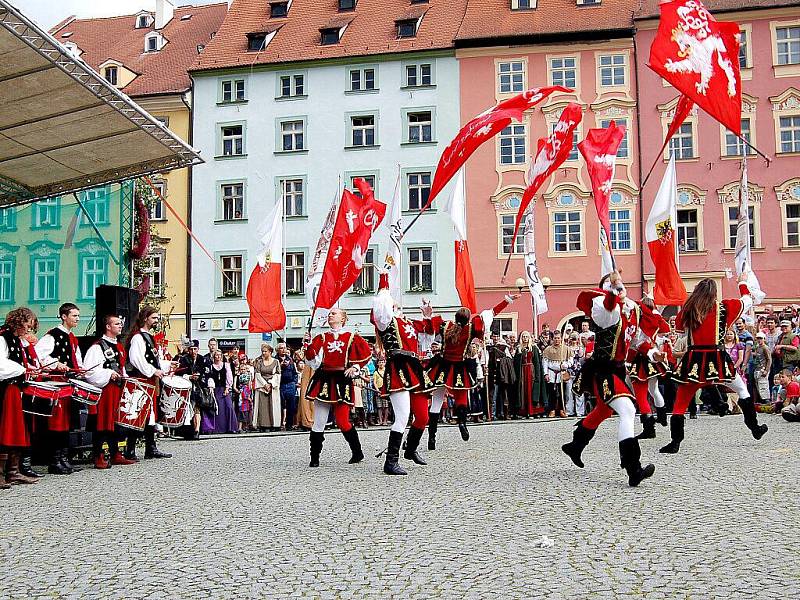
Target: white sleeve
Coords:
[[315, 362], [95, 373], [382, 309], [8, 368], [488, 318], [79, 357], [137, 358], [602, 316], [44, 348]]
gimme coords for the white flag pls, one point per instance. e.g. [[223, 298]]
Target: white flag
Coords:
[[743, 258], [606, 260], [392, 259], [317, 266], [531, 270]]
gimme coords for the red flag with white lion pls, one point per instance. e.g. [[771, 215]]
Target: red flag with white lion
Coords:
[[699, 56]]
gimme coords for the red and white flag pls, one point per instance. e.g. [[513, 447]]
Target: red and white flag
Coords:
[[551, 154], [699, 56], [314, 277], [356, 221], [599, 150], [393, 251], [481, 129], [264, 288], [456, 208], [659, 232]]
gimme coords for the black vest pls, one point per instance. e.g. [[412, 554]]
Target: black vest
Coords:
[[112, 357], [15, 353], [389, 338], [62, 350], [150, 355]]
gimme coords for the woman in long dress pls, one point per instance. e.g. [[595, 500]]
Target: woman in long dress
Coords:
[[225, 420], [267, 397], [530, 377]]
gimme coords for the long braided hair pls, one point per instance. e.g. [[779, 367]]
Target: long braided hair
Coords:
[[700, 302], [460, 321]]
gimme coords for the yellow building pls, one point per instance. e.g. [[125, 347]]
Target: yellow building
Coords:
[[147, 56]]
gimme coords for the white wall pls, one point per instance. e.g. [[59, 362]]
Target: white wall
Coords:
[[326, 159]]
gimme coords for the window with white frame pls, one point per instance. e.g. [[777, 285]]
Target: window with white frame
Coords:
[[788, 42], [420, 127], [232, 90], [96, 207], [110, 74], [231, 275], [370, 179], [512, 144], [143, 21], [232, 140], [295, 273], [46, 213], [511, 77], [564, 71], [623, 150], [366, 279], [155, 269], [744, 43], [292, 193], [612, 70], [292, 136], [792, 216], [157, 208], [573, 153], [567, 231], [45, 279], [153, 43], [7, 265], [94, 272], [733, 223], [789, 133], [503, 326], [682, 143], [419, 75], [362, 130], [734, 146], [419, 189], [292, 85], [522, 4], [621, 228], [362, 80], [8, 219], [688, 230], [232, 201], [420, 269], [506, 233]]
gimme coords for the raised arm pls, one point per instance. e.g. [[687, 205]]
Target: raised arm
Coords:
[[383, 304]]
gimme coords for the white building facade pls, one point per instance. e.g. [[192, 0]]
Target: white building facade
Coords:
[[291, 133]]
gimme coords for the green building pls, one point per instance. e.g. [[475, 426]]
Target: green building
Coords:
[[52, 251]]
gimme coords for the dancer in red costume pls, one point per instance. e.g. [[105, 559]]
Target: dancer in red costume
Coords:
[[337, 357], [650, 362], [449, 370], [405, 380], [616, 320], [705, 320]]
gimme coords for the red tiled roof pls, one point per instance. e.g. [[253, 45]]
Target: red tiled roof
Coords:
[[487, 19], [117, 38], [372, 31], [650, 7]]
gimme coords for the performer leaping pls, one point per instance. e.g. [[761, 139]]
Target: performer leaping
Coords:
[[616, 318], [449, 370], [404, 381], [706, 362], [337, 357]]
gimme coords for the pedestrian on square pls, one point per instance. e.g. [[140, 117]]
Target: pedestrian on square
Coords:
[[762, 363], [267, 398], [221, 380], [381, 401], [531, 388], [288, 392]]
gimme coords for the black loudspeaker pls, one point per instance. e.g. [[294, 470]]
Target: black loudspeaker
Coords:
[[115, 300]]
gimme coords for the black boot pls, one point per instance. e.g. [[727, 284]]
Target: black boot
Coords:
[[648, 428], [461, 416], [433, 425], [580, 439], [676, 424], [26, 468], [65, 462], [414, 436], [351, 435], [751, 418], [130, 448], [150, 448], [661, 415], [629, 454], [390, 467], [56, 467], [316, 438]]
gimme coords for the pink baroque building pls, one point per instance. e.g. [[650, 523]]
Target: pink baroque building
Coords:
[[504, 47], [709, 158]]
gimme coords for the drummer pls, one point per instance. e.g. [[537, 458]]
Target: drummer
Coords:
[[58, 351], [145, 362], [195, 367], [105, 368], [14, 435]]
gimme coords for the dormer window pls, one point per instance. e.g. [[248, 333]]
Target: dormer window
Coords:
[[256, 42], [407, 29], [333, 31], [143, 21], [588, 2], [345, 5], [110, 75], [280, 9], [523, 4], [153, 42], [329, 37]]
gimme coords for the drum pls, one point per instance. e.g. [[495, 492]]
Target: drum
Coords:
[[85, 392], [41, 397], [174, 401], [134, 404]]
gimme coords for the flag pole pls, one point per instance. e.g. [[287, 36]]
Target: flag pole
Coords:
[[756, 150]]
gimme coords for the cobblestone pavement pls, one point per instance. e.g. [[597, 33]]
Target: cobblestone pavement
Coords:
[[246, 518]]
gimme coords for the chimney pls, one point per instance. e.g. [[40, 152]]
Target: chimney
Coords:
[[164, 11]]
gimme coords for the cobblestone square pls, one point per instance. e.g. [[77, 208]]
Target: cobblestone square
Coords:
[[243, 517]]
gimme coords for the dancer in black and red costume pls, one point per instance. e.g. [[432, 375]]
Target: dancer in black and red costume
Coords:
[[405, 381], [337, 357], [616, 320], [449, 370], [706, 363]]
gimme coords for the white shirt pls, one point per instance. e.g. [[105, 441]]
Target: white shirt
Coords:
[[8, 368], [137, 359], [44, 349], [96, 374]]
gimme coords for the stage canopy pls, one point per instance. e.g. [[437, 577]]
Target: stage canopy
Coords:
[[63, 128]]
